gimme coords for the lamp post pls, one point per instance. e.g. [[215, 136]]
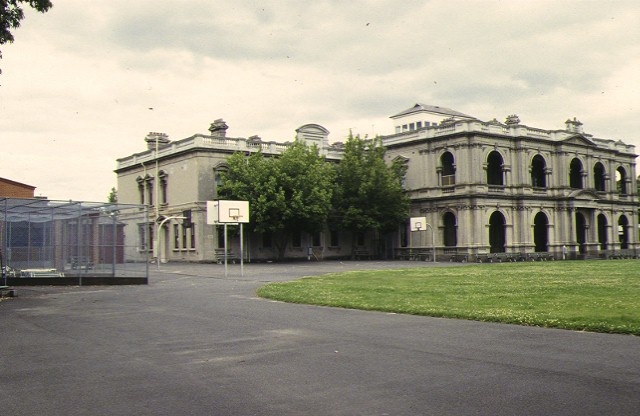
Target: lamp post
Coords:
[[156, 206]]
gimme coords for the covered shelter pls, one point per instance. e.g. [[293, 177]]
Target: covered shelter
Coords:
[[71, 242]]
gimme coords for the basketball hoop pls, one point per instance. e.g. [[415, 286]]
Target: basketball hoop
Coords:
[[234, 213]]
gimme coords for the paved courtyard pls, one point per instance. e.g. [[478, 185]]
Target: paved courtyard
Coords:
[[194, 342]]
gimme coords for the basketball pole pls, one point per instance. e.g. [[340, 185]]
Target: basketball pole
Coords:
[[241, 253], [225, 249]]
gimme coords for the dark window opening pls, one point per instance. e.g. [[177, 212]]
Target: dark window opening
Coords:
[[334, 237], [540, 232], [296, 239], [404, 235], [575, 174], [267, 240], [450, 233], [621, 180], [538, 176], [581, 232], [497, 232], [495, 174], [602, 232], [448, 169], [599, 177], [623, 232]]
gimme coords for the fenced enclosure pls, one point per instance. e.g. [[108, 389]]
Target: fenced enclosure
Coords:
[[72, 242]]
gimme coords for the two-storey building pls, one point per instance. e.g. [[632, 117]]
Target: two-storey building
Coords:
[[484, 187], [177, 178], [492, 187]]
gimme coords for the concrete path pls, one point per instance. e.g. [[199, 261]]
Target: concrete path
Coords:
[[193, 342]]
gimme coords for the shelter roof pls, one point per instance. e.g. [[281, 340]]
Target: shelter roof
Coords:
[[44, 210]]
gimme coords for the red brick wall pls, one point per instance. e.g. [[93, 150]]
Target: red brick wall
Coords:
[[11, 189]]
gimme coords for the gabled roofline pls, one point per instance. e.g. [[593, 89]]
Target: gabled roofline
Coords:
[[433, 109], [581, 137], [17, 183]]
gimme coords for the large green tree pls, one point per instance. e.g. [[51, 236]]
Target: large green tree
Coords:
[[11, 14], [369, 195], [288, 193]]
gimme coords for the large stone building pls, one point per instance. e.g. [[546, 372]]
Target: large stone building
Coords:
[[492, 187], [176, 178], [484, 187]]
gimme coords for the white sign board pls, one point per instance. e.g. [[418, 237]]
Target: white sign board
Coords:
[[418, 223], [227, 212]]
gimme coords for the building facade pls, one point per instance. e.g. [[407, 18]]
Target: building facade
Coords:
[[485, 188], [177, 178], [492, 187]]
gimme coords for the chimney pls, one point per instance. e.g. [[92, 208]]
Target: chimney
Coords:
[[218, 128], [574, 126], [162, 140], [512, 120]]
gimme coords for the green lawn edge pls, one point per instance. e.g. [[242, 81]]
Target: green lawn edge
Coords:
[[595, 296]]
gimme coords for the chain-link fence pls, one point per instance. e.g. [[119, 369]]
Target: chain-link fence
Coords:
[[42, 238]]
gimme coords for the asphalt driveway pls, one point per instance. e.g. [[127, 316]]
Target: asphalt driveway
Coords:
[[194, 342]]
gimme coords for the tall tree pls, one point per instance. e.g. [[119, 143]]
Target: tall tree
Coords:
[[11, 14], [289, 193], [369, 195], [113, 195]]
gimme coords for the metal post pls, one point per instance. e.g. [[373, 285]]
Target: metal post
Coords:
[[241, 253], [433, 241], [225, 249], [5, 242], [146, 241], [114, 245], [3, 268], [156, 206]]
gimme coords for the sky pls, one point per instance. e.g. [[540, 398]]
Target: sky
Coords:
[[83, 84]]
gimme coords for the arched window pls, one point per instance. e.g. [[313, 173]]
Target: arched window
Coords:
[[599, 177], [540, 232], [621, 180], [140, 181], [575, 174], [450, 236], [149, 185], [448, 169], [497, 228], [602, 231], [538, 177], [164, 179], [218, 175], [623, 232], [495, 174]]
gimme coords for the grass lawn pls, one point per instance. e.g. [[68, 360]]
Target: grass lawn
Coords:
[[600, 296]]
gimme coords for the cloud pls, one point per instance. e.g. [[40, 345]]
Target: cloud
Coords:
[[87, 75]]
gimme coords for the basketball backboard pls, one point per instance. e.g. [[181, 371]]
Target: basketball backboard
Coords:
[[418, 223], [227, 212]]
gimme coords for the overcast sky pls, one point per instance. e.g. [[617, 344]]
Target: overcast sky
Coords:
[[84, 83]]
